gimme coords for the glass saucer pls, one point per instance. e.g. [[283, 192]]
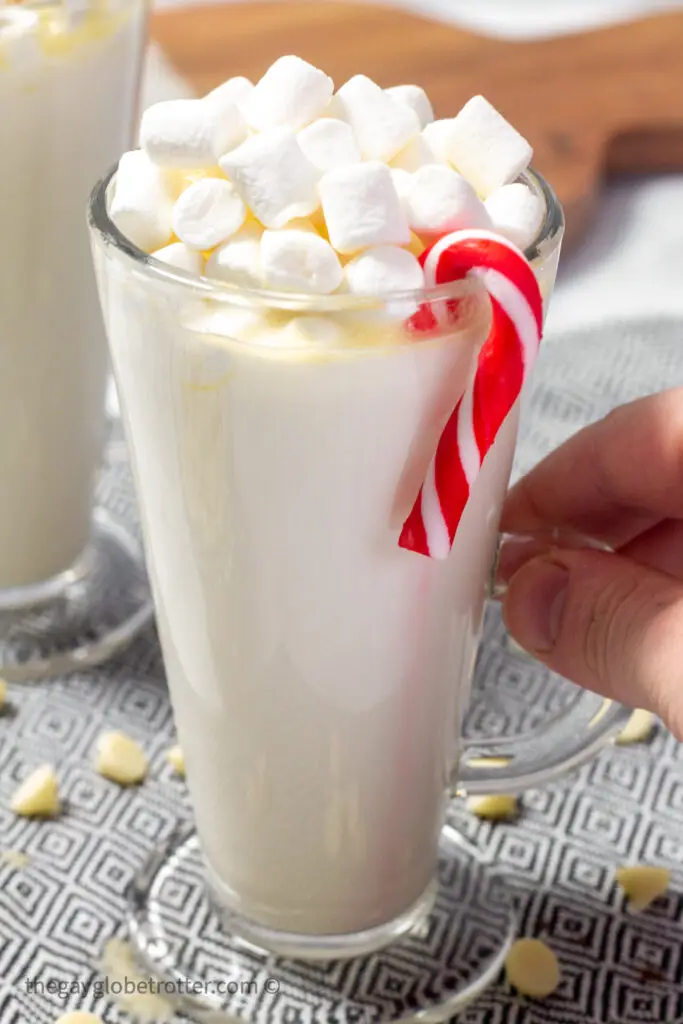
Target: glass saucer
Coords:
[[448, 959]]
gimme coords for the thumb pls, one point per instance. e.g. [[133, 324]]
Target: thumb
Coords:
[[605, 622]]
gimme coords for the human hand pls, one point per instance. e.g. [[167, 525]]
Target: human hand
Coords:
[[611, 622]]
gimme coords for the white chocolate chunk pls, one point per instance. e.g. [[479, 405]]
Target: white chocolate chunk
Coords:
[[488, 762], [16, 859], [493, 807], [382, 126], [532, 968], [118, 965], [485, 148], [329, 143], [362, 208], [207, 213], [384, 270], [516, 213], [190, 133], [38, 795], [235, 90], [642, 884], [238, 261], [416, 98], [299, 261], [142, 207], [437, 135], [79, 1017], [120, 759], [441, 200], [291, 94], [418, 153], [175, 757], [638, 728], [180, 256], [273, 176]]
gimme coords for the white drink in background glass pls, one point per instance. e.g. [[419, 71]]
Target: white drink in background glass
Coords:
[[317, 670], [68, 92]]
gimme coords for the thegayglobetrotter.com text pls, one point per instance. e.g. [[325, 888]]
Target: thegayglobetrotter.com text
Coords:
[[150, 986]]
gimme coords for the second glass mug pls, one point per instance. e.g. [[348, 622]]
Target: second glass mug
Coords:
[[71, 591], [318, 673]]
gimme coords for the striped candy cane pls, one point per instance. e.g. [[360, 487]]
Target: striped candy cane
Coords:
[[506, 358]]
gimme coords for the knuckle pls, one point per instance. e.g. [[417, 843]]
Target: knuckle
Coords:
[[613, 627]]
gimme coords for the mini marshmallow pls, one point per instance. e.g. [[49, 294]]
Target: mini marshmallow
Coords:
[[311, 330], [239, 323], [486, 148], [238, 260], [181, 256], [298, 261], [142, 207], [516, 213], [384, 270], [416, 98], [362, 208], [418, 153], [329, 143], [382, 125], [190, 133], [207, 213], [235, 90], [292, 93], [273, 177], [403, 182], [437, 135], [441, 200]]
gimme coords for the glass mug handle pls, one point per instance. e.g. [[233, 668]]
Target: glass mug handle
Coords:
[[511, 764]]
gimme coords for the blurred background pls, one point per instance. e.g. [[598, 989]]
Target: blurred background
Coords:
[[564, 71]]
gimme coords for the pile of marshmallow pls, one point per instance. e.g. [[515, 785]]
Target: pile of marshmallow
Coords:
[[289, 186]]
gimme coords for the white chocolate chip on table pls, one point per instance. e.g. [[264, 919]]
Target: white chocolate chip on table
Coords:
[[120, 759], [643, 884], [38, 795], [175, 757], [494, 807], [638, 728], [532, 968]]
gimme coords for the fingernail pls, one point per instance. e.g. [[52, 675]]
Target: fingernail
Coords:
[[513, 554], [536, 602]]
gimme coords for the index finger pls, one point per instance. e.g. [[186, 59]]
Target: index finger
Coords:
[[613, 479]]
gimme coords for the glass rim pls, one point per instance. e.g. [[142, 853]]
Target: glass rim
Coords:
[[102, 226]]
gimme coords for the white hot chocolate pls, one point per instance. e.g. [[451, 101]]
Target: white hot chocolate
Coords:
[[67, 95], [318, 671]]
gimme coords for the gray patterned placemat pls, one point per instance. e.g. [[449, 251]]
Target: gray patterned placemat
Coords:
[[57, 912]]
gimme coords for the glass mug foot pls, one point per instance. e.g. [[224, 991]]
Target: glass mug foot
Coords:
[[434, 960], [81, 617]]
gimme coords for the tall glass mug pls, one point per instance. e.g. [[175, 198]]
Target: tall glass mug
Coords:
[[317, 671], [69, 78]]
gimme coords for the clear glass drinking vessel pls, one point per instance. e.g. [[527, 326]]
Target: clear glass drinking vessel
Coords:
[[72, 590], [318, 672]]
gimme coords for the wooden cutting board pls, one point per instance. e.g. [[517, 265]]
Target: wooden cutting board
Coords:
[[599, 102]]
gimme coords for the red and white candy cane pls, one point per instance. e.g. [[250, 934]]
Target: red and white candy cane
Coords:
[[506, 358]]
